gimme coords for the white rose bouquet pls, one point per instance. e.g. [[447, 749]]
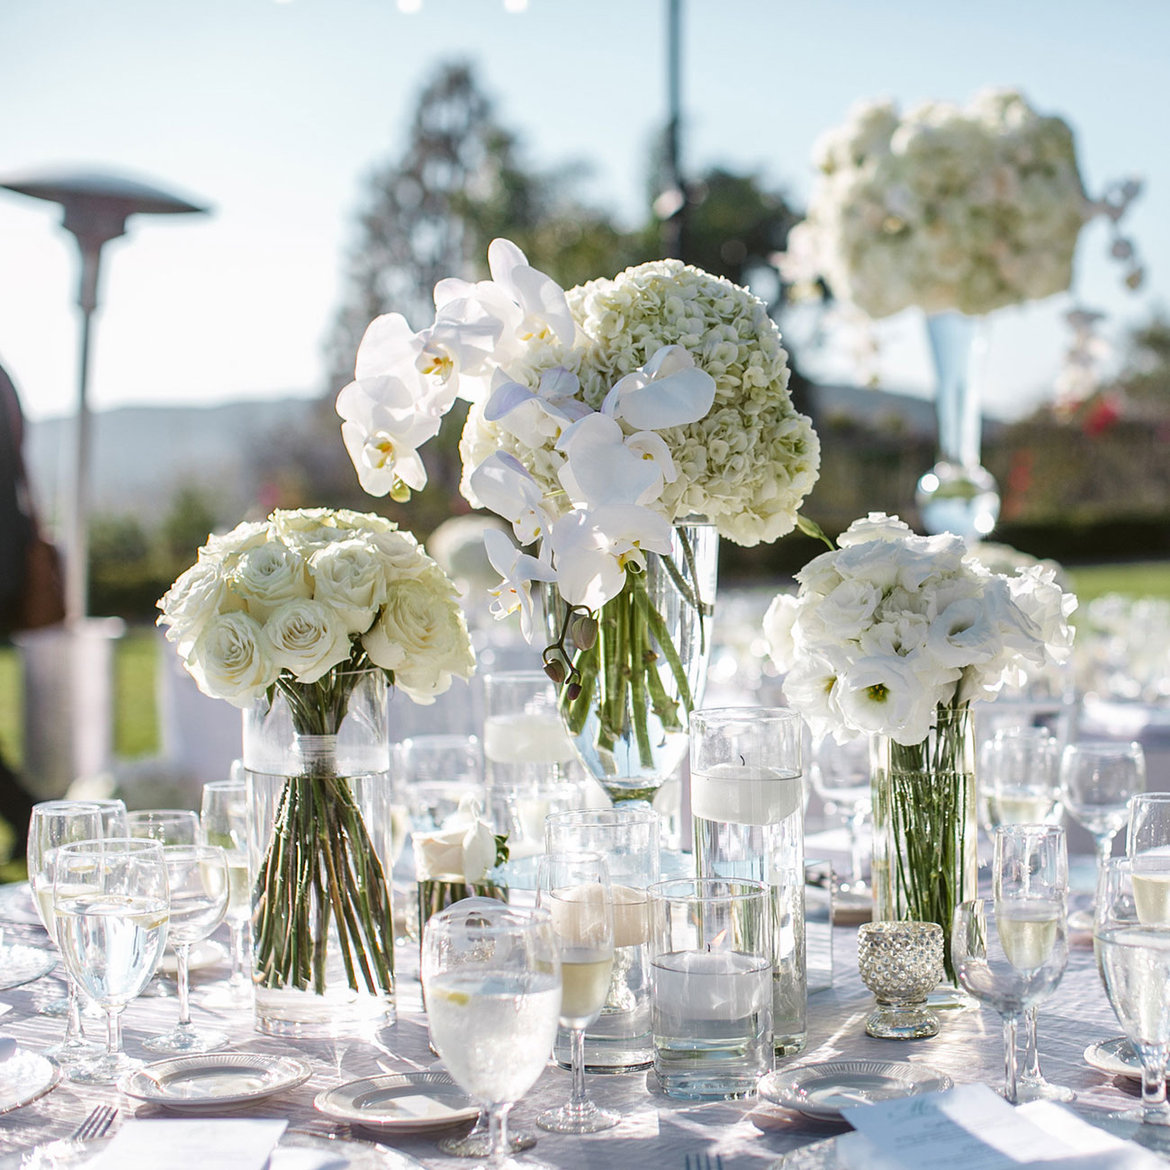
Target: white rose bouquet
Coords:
[[894, 634], [304, 605], [600, 418]]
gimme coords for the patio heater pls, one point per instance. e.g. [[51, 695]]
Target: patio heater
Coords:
[[71, 666]]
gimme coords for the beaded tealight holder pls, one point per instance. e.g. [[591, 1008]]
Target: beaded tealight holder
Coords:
[[901, 963]]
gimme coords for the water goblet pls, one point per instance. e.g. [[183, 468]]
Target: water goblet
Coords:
[[198, 879], [1031, 860], [491, 976], [223, 820], [901, 963], [575, 889], [54, 823], [114, 817], [840, 775], [1010, 955], [111, 900], [1097, 778], [1019, 769], [168, 826]]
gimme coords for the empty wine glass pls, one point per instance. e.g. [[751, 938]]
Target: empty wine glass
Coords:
[[55, 823], [840, 774], [1019, 773], [1010, 955], [491, 976], [169, 826], [575, 889], [1031, 861], [223, 821], [198, 878], [1133, 958], [114, 817], [111, 902]]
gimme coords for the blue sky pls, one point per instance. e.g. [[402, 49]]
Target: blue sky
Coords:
[[273, 111]]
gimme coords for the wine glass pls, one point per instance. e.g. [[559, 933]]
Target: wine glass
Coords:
[[1133, 958], [1097, 778], [1009, 955], [840, 774], [223, 821], [1019, 770], [111, 900], [198, 878], [55, 823], [114, 817], [170, 826], [575, 889], [491, 977], [1031, 860]]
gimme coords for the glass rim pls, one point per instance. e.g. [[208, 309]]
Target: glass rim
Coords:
[[521, 674], [602, 817], [735, 890], [53, 806], [498, 918], [142, 813], [745, 714], [102, 845], [1102, 747]]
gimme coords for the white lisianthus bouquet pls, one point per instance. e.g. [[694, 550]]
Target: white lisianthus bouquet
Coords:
[[891, 626], [944, 208], [600, 418], [301, 608]]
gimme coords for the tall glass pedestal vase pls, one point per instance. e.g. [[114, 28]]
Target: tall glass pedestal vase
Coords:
[[645, 672], [958, 494], [925, 859], [317, 764]]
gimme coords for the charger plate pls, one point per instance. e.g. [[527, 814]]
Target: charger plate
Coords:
[[823, 1090], [209, 1082], [399, 1102]]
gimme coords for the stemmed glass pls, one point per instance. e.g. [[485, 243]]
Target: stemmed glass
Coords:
[[1097, 778], [55, 823], [1010, 955], [840, 774], [1019, 771], [1133, 956], [198, 878], [170, 826], [575, 889], [491, 976], [111, 901], [1031, 861], [223, 821], [1148, 847]]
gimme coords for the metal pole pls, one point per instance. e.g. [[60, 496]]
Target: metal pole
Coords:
[[674, 228]]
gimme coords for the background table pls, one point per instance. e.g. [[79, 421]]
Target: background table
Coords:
[[656, 1130]]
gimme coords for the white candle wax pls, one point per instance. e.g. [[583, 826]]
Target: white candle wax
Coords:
[[711, 985], [630, 926], [527, 737], [745, 795]]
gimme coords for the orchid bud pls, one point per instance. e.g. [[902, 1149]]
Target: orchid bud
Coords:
[[583, 630], [573, 692], [555, 669]]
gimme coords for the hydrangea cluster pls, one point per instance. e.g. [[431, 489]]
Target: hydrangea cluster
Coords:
[[944, 208], [890, 626], [307, 591]]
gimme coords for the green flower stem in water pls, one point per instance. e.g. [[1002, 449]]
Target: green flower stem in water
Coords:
[[320, 869]]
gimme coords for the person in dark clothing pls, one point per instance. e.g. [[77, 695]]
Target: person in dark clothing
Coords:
[[17, 529]]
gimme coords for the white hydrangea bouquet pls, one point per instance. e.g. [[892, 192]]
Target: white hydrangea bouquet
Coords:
[[601, 418], [895, 635], [305, 605], [945, 207]]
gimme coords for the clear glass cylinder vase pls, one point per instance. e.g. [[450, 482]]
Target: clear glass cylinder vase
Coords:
[[646, 671], [925, 848], [317, 764]]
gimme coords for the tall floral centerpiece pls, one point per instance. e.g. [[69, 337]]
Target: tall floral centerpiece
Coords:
[[958, 211], [894, 636], [619, 427], [304, 620]]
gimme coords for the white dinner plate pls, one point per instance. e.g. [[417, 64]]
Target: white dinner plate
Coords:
[[20, 964], [823, 1090], [402, 1102], [24, 1077], [208, 1082], [1115, 1057]]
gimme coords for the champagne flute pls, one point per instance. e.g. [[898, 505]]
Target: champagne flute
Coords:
[[55, 823], [1010, 955], [840, 774], [111, 900], [198, 880], [1097, 778], [1019, 769], [575, 889], [1148, 847], [1031, 860], [223, 821], [170, 826], [491, 977]]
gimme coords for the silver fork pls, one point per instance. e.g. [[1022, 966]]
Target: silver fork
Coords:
[[100, 1118], [703, 1161]]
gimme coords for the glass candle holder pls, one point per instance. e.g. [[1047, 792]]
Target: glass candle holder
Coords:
[[901, 963]]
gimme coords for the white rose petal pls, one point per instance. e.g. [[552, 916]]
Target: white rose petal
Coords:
[[307, 639], [231, 659]]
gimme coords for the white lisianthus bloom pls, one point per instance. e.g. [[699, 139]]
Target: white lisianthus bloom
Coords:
[[875, 526], [268, 575], [421, 636], [1037, 593], [231, 659], [811, 687], [885, 695], [198, 595], [307, 638], [348, 577], [519, 571], [778, 621]]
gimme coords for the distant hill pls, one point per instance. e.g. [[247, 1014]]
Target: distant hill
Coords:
[[142, 455]]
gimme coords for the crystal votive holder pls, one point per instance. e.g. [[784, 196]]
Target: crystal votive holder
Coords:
[[901, 963]]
